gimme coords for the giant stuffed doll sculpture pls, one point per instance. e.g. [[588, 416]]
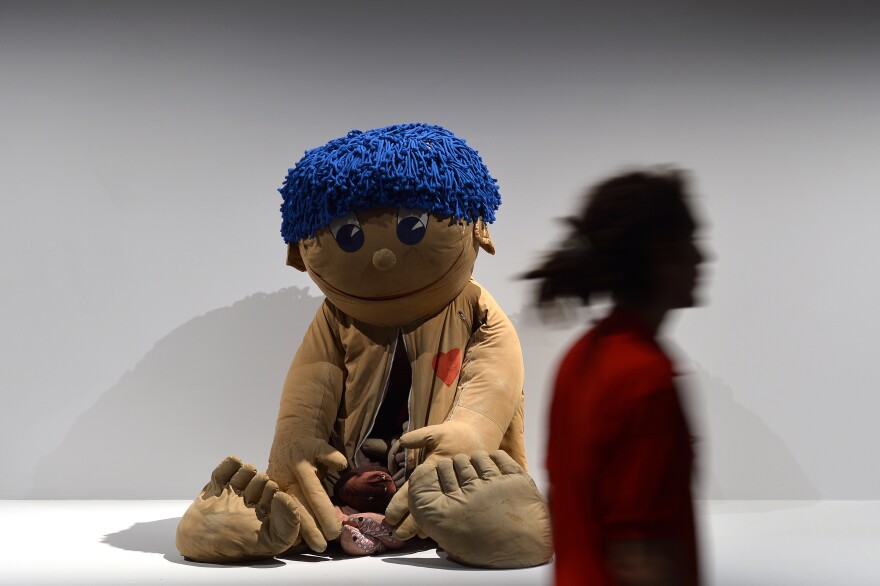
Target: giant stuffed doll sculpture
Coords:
[[408, 385]]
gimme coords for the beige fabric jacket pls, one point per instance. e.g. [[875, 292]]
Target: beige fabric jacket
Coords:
[[338, 377]]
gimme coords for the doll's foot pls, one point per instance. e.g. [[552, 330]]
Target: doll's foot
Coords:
[[239, 516], [367, 534], [508, 521]]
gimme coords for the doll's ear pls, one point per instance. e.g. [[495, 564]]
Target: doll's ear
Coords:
[[294, 257], [481, 235]]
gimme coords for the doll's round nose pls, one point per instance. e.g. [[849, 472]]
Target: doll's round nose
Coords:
[[384, 259]]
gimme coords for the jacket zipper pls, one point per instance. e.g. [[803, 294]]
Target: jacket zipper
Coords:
[[357, 451], [412, 385]]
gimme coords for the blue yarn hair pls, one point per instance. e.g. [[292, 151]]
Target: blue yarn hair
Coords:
[[407, 165]]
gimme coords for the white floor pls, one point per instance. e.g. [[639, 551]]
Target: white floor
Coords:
[[778, 543]]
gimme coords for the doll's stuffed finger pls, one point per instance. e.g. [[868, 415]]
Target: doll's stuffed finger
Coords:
[[448, 481], [330, 458], [221, 475], [397, 514], [281, 529], [484, 465], [309, 531], [464, 470], [444, 440], [424, 437], [240, 479], [254, 489], [264, 505], [316, 499], [505, 463]]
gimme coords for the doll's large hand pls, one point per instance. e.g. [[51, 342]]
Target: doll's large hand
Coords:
[[297, 465], [484, 510], [439, 441], [239, 516]]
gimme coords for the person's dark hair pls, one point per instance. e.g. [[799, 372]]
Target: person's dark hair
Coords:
[[611, 246]]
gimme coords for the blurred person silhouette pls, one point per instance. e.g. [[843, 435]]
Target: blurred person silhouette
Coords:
[[619, 452]]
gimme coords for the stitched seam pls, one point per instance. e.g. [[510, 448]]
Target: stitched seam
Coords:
[[320, 409], [483, 415]]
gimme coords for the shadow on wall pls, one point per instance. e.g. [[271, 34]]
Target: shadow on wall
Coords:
[[208, 389], [211, 388], [543, 344], [738, 455]]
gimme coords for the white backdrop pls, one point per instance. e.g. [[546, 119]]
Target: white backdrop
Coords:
[[148, 318]]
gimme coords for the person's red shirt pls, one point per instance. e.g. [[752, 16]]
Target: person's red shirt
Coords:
[[619, 455]]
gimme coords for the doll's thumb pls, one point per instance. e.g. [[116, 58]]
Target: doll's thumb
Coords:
[[330, 458], [418, 438]]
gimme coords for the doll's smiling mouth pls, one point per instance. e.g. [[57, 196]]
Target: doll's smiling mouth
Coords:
[[389, 297]]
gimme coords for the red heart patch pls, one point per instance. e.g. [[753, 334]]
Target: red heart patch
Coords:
[[447, 364]]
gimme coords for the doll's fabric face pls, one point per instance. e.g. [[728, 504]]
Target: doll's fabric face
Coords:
[[391, 266]]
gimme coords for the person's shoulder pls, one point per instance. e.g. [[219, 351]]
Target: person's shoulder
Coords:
[[636, 365], [634, 349], [618, 354], [630, 358]]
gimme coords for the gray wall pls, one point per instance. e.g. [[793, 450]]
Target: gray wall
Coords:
[[147, 315]]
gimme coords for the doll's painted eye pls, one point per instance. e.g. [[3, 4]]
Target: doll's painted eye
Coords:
[[411, 225], [348, 232]]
